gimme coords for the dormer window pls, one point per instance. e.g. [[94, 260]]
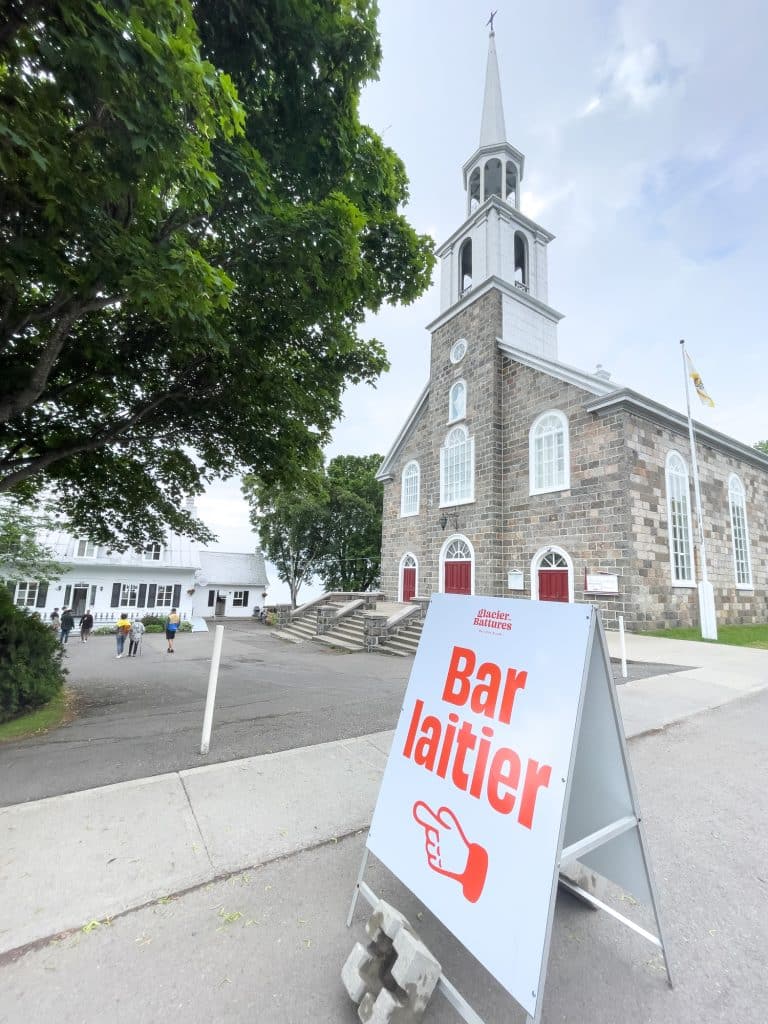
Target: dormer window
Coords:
[[153, 553], [457, 402], [86, 549]]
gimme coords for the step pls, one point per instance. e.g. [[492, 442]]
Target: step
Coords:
[[341, 645], [396, 643]]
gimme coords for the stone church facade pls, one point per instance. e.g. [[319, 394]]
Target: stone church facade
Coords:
[[518, 475]]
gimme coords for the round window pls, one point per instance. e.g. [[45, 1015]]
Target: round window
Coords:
[[459, 350]]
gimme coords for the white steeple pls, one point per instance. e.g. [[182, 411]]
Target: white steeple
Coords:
[[492, 130], [497, 245]]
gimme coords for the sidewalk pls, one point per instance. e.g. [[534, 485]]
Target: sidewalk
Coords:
[[105, 851]]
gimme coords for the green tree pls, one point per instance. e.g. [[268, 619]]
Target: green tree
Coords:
[[193, 225], [22, 557], [351, 524], [289, 524], [762, 446]]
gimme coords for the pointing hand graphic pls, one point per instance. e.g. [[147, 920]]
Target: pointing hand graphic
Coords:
[[449, 852]]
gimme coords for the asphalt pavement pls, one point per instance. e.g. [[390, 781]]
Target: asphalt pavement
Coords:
[[266, 946]]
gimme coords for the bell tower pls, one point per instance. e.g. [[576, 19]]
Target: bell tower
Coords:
[[497, 245]]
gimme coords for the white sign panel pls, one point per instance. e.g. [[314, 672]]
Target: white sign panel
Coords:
[[601, 583], [471, 803]]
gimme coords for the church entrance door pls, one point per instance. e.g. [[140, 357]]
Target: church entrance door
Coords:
[[553, 577], [409, 582], [553, 585], [457, 567]]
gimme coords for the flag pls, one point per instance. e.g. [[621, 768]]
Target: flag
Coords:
[[698, 383]]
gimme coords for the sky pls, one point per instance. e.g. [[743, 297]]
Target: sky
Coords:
[[644, 128]]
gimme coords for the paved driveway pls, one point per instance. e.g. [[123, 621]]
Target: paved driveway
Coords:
[[143, 716]]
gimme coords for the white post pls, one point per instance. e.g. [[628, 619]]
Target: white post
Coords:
[[623, 648], [707, 615], [210, 699]]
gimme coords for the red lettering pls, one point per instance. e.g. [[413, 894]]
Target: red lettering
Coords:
[[505, 771], [536, 777], [484, 697], [482, 760], [445, 753], [465, 741], [418, 707], [515, 681], [426, 747], [459, 671]]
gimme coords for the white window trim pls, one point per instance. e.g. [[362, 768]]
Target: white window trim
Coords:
[[550, 549], [408, 554], [27, 584], [403, 513], [532, 454], [750, 586], [88, 543], [690, 582], [164, 603], [444, 502], [463, 415], [148, 553], [446, 544]]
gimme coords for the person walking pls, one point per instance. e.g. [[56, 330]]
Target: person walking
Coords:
[[134, 637], [172, 624], [67, 625], [123, 628], [86, 625], [55, 620]]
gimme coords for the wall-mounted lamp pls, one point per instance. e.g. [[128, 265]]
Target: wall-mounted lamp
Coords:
[[443, 520], [59, 587]]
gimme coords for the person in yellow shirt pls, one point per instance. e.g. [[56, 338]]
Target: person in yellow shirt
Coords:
[[123, 628], [171, 628]]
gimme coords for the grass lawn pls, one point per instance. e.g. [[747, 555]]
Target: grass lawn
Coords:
[[47, 717], [737, 636]]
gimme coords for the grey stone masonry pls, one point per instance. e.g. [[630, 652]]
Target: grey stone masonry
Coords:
[[612, 517]]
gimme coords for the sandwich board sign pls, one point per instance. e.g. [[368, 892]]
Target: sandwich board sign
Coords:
[[508, 764]]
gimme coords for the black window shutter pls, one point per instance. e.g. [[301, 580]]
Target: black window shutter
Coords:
[[142, 594], [211, 598], [93, 596], [151, 591], [245, 599], [116, 588], [11, 589], [177, 595], [42, 595], [67, 594]]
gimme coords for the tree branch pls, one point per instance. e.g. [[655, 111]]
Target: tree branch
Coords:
[[100, 440]]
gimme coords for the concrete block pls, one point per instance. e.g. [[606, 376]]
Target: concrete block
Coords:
[[393, 979]]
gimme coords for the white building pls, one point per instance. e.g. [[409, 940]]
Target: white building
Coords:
[[176, 574]]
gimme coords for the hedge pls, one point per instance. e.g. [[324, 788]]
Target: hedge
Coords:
[[31, 670]]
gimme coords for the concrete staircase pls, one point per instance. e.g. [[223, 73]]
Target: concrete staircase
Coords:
[[405, 642], [300, 630], [346, 635]]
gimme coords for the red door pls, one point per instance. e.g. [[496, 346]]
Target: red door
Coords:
[[458, 577], [409, 582], [553, 585]]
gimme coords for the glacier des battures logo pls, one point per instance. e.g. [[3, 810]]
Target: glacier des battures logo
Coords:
[[493, 621]]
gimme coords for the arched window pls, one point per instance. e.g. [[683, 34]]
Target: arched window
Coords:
[[409, 494], [521, 261], [679, 515], [457, 468], [741, 558], [511, 184], [474, 190], [549, 457], [492, 178], [457, 401], [465, 266]]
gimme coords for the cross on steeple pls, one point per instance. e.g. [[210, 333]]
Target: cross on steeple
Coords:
[[490, 20]]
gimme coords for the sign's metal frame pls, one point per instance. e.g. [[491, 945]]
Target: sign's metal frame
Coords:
[[581, 848]]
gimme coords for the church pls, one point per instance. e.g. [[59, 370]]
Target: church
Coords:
[[516, 474]]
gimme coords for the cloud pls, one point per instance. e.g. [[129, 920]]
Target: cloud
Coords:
[[641, 75]]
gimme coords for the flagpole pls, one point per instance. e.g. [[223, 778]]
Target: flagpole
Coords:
[[707, 617]]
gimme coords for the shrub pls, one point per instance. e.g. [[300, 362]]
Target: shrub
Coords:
[[31, 670]]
